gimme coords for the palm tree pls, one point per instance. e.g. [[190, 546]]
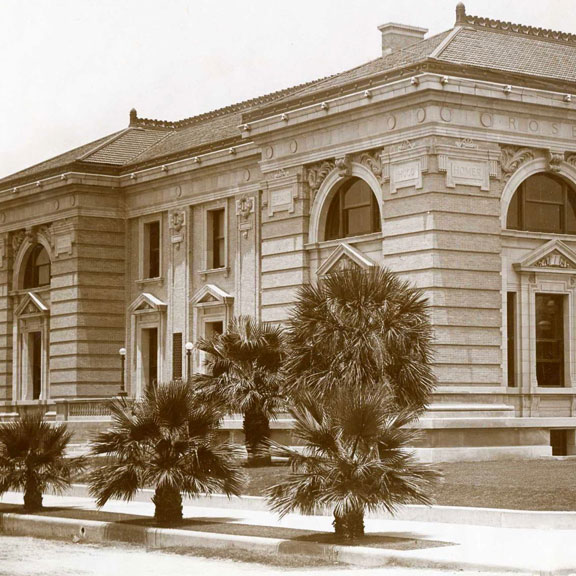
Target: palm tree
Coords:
[[168, 441], [244, 375], [355, 460], [33, 458], [361, 328]]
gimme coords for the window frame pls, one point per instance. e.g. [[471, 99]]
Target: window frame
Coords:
[[210, 238], [33, 270], [144, 260], [519, 198], [336, 203]]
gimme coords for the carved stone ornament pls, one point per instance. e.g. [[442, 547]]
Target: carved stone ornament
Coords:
[[45, 231], [555, 160], [316, 173], [244, 212], [466, 143], [373, 161], [344, 166], [571, 159], [177, 221], [512, 158], [406, 145], [553, 260], [17, 238]]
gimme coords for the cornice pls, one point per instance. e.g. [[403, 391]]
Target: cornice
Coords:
[[69, 178]]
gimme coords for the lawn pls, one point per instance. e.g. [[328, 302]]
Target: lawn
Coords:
[[545, 484]]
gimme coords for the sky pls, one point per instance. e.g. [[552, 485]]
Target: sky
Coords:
[[71, 70]]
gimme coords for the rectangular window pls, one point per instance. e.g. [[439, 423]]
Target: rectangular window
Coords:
[[152, 249], [550, 340], [216, 238], [511, 331], [177, 355]]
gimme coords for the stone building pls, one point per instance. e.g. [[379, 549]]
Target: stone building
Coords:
[[449, 159]]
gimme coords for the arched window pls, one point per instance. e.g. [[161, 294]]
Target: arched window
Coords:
[[353, 211], [37, 272], [543, 203]]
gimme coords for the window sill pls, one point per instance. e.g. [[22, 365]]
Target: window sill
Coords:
[[225, 270], [159, 281], [537, 235], [348, 240]]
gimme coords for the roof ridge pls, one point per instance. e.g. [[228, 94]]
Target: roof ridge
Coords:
[[442, 46], [192, 120], [523, 29], [111, 139], [133, 159]]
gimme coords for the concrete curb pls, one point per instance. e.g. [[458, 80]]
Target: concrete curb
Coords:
[[92, 531], [492, 517]]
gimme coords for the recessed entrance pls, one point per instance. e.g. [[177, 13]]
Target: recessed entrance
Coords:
[[150, 357], [35, 359]]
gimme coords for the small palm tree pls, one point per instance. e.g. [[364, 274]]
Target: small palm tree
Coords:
[[168, 441], [361, 328], [244, 375], [33, 458], [355, 460]]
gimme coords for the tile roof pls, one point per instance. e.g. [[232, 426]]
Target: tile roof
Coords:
[[528, 54], [125, 147], [512, 52]]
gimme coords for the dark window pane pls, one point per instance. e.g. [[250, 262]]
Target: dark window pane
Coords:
[[35, 343], [358, 194], [353, 211], [543, 217], [511, 328], [543, 188], [177, 355], [550, 339], [358, 221], [37, 272], [570, 211], [333, 219], [153, 248], [513, 218], [217, 223]]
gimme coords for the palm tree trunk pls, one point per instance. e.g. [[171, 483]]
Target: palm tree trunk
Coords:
[[350, 525], [168, 504], [256, 431], [32, 496]]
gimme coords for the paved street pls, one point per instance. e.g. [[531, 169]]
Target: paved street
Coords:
[[32, 557]]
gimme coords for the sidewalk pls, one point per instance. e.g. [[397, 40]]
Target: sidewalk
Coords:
[[449, 546]]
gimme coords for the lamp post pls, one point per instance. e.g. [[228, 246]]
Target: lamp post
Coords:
[[122, 353], [189, 346]]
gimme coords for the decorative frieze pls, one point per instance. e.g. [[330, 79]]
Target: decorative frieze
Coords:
[[554, 260]]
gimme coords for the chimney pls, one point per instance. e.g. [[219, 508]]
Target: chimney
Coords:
[[398, 36]]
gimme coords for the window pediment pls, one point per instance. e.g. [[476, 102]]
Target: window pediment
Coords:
[[211, 294], [554, 256], [345, 256], [31, 305], [147, 302]]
